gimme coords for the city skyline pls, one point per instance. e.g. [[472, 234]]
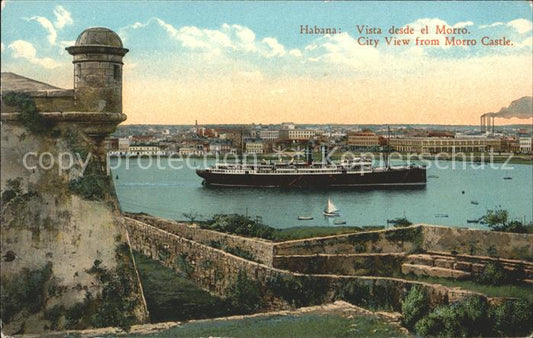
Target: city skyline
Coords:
[[244, 62]]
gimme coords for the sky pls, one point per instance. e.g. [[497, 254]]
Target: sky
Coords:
[[248, 61]]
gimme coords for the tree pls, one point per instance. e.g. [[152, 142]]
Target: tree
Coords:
[[414, 306], [191, 215], [496, 219], [400, 222]]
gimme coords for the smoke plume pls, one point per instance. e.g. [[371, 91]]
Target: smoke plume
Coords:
[[521, 108]]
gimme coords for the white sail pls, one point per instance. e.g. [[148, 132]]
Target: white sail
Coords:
[[331, 208]]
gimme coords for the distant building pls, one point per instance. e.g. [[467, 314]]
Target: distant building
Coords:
[[111, 144], [288, 126], [445, 145], [296, 134], [123, 144], [254, 147], [363, 139], [219, 147], [269, 135], [142, 139], [144, 150], [191, 151], [525, 145]]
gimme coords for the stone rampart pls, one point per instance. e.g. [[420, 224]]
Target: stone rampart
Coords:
[[397, 240], [216, 271], [417, 238], [374, 264], [478, 242], [261, 250]]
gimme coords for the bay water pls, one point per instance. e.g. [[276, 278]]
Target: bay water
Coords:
[[455, 192]]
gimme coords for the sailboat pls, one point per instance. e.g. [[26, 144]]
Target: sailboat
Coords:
[[331, 210]]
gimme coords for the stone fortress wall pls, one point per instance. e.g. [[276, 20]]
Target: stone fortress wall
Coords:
[[216, 271], [421, 249], [66, 257], [261, 250]]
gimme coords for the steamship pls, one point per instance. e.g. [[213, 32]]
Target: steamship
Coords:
[[355, 172]]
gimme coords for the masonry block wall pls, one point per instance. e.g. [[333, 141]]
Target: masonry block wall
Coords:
[[216, 271]]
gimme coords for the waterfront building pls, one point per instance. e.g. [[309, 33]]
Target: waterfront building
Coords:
[[288, 125], [111, 144], [269, 135], [145, 150], [297, 134], [364, 139], [191, 151], [525, 145], [445, 144], [254, 147], [123, 144]]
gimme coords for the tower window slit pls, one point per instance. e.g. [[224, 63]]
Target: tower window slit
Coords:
[[116, 72]]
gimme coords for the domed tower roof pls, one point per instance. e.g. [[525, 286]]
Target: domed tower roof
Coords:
[[99, 36], [97, 40]]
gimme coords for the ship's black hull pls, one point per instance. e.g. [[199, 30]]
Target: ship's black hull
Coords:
[[393, 177]]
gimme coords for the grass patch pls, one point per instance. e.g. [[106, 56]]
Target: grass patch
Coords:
[[308, 325], [515, 291], [244, 226], [288, 234], [173, 298]]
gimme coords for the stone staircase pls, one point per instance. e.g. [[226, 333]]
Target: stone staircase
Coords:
[[439, 264]]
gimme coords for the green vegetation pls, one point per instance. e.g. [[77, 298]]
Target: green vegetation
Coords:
[[24, 292], [494, 274], [234, 251], [94, 185], [113, 306], [172, 298], [370, 295], [116, 304], [298, 290], [239, 225], [513, 291], [473, 316], [12, 190], [414, 307], [245, 294], [29, 116], [90, 187], [498, 220], [306, 325], [400, 222], [244, 226]]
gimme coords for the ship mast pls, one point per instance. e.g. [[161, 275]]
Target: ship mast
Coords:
[[387, 161]]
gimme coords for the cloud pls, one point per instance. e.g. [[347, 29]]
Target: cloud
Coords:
[[64, 44], [3, 47], [463, 24], [63, 17], [528, 42], [52, 33], [4, 4], [342, 49], [495, 24], [276, 49], [25, 50], [229, 38], [521, 25], [296, 53]]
